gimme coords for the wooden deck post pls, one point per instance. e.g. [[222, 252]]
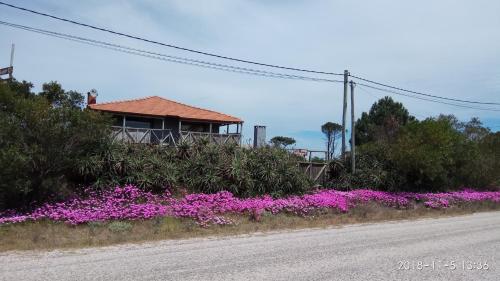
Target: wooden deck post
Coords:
[[241, 133], [162, 135], [210, 138], [123, 127]]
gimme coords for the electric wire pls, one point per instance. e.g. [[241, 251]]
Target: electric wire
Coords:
[[426, 99], [165, 44], [378, 97], [238, 60], [199, 63], [165, 57], [422, 94]]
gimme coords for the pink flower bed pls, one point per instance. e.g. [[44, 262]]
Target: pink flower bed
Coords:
[[130, 203]]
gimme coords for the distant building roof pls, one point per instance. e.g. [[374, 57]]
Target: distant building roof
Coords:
[[161, 107]]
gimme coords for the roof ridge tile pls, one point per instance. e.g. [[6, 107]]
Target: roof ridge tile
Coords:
[[194, 106], [151, 106], [122, 101]]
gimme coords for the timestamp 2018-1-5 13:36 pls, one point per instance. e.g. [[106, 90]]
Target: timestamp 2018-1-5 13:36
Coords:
[[437, 264]]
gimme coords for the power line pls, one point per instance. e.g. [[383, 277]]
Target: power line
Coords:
[[236, 59], [165, 44], [423, 94], [426, 99], [164, 57], [205, 64], [378, 97]]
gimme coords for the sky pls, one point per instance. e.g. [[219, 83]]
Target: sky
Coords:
[[445, 48]]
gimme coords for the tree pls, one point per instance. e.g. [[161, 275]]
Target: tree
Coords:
[[428, 155], [281, 141], [490, 154], [40, 142], [57, 96], [21, 88], [331, 131], [317, 159], [474, 130], [433, 155], [382, 122]]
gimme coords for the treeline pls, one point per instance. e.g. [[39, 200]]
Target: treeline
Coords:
[[397, 152], [51, 147]]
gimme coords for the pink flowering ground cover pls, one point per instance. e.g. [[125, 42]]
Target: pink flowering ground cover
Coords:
[[131, 203]]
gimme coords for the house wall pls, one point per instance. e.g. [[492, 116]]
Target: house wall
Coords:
[[138, 122], [137, 130], [199, 127], [146, 122], [173, 125], [170, 123]]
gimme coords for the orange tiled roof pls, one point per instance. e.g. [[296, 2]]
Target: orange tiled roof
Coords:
[[157, 106]]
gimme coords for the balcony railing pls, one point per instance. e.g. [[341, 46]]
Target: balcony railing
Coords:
[[143, 135], [190, 137], [169, 137]]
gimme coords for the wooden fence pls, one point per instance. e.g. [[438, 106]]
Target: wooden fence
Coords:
[[168, 137], [143, 135], [316, 171], [190, 137]]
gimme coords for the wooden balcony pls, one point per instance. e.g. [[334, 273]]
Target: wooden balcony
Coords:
[[190, 137], [143, 135], [169, 137]]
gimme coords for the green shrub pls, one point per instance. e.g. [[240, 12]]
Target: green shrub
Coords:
[[484, 170], [372, 172], [119, 226], [244, 172], [201, 167], [432, 156], [427, 156], [149, 167], [273, 171], [40, 140]]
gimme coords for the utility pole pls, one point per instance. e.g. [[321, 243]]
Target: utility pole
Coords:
[[11, 62], [344, 111], [353, 140]]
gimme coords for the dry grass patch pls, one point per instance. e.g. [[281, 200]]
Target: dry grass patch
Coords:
[[44, 235]]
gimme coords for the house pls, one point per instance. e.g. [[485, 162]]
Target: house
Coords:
[[157, 120]]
